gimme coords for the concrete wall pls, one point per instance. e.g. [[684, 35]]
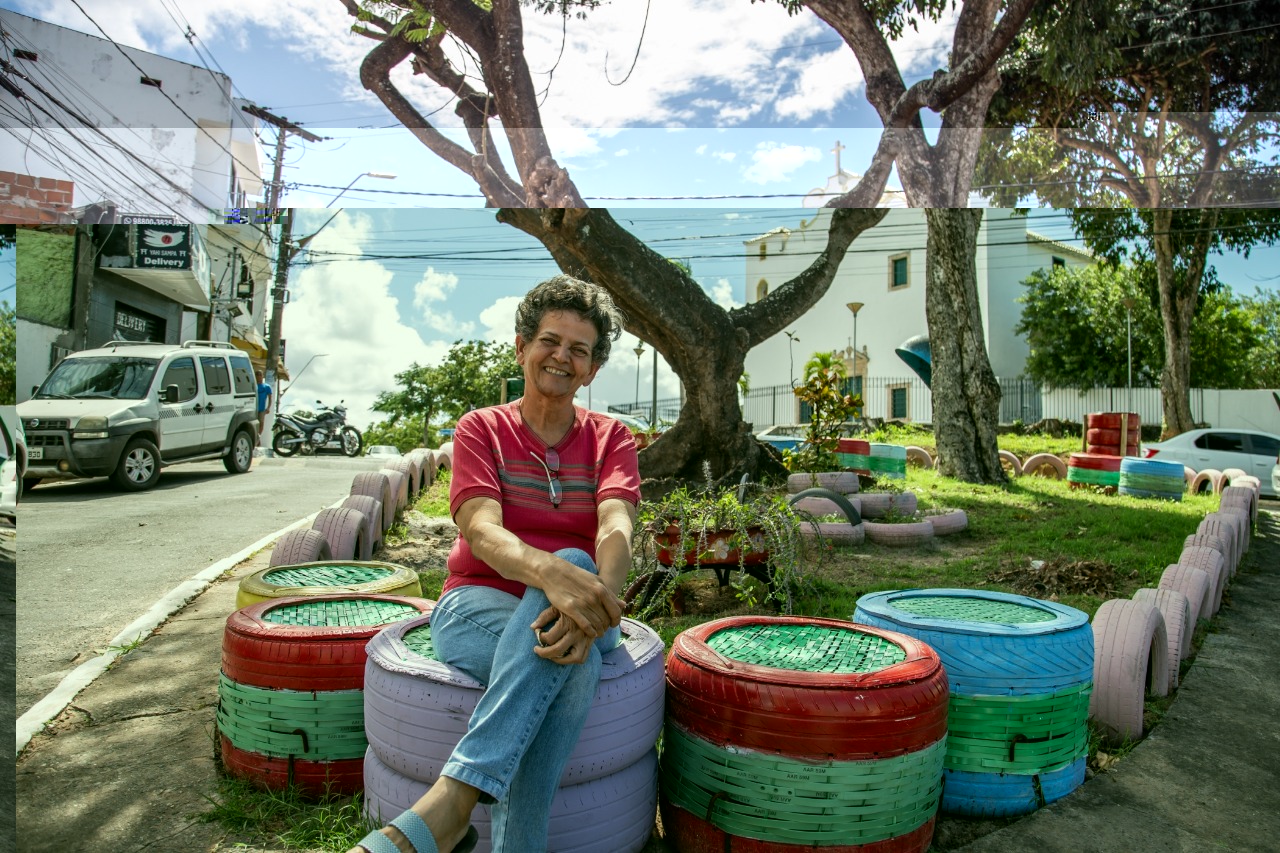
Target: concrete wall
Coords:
[[45, 265]]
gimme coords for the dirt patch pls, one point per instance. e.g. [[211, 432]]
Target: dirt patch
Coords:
[[1055, 578], [425, 549]]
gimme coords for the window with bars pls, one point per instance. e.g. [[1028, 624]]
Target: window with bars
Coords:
[[899, 274], [898, 403]]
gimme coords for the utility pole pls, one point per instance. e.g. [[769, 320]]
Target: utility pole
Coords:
[[284, 128]]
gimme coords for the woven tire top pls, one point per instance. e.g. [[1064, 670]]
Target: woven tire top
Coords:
[[806, 687], [971, 611], [328, 578]]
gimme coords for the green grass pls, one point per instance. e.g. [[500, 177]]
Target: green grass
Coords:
[[1022, 445], [288, 818], [435, 500]]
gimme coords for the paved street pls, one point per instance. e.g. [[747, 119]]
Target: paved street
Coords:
[[92, 559]]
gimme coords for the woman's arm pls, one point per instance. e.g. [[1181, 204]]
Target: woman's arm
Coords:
[[615, 520]]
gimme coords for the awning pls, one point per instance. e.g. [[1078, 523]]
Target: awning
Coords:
[[175, 285]]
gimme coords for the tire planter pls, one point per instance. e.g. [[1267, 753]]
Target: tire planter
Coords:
[[1178, 627], [291, 687], [843, 482], [1195, 584], [840, 533], [1091, 469], [1151, 478], [344, 530], [1211, 563], [820, 506], [919, 457], [948, 522], [611, 814], [370, 510], [888, 460], [906, 535], [1045, 465], [1010, 461], [854, 453], [1021, 673], [328, 578], [879, 504], [1208, 480], [1130, 660], [377, 485], [300, 546], [417, 708], [835, 740], [399, 488]]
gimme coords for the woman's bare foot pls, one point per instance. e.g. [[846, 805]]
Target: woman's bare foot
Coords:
[[445, 808]]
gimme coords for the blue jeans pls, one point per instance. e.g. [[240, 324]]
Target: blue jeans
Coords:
[[532, 711]]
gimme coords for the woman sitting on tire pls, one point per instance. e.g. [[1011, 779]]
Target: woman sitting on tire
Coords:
[[543, 493]]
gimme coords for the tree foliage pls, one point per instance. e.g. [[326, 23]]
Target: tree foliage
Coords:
[[470, 377], [8, 354]]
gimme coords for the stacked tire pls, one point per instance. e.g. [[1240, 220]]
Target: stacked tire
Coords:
[[835, 739], [1152, 478], [888, 460], [1021, 675], [1113, 433], [328, 578], [1094, 470], [290, 695], [417, 709], [854, 454], [826, 494]]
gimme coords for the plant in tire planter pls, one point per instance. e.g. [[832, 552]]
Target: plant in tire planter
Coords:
[[897, 529], [830, 409]]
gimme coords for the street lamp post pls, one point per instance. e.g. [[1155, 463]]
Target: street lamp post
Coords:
[[639, 351], [296, 378], [855, 307], [385, 175]]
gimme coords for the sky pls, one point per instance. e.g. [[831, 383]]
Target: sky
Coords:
[[729, 115]]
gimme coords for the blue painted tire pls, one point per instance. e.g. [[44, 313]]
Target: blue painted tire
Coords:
[[1152, 478], [1048, 656], [1006, 794]]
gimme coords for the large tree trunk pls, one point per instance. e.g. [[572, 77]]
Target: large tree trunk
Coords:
[[1178, 296], [966, 395], [705, 345]]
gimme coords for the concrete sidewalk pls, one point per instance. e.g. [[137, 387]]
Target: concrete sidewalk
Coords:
[[130, 763]]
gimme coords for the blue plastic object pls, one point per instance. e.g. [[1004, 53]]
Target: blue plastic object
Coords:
[[918, 356]]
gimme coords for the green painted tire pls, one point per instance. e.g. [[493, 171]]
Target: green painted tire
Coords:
[[329, 577]]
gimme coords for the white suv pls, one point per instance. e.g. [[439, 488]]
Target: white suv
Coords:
[[126, 410]]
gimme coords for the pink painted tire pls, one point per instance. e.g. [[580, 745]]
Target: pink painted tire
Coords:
[[1230, 475], [918, 457], [1130, 660], [371, 510], [840, 533], [427, 461], [1209, 540], [406, 467], [1178, 627], [908, 535], [844, 482], [1045, 465], [377, 485], [1241, 496], [879, 504], [1188, 477], [1209, 561], [1244, 529], [948, 522], [1231, 525], [399, 488], [1011, 463], [1208, 480], [300, 546], [1195, 584], [344, 530], [444, 456], [818, 507]]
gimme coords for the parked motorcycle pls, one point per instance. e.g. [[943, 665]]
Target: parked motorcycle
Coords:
[[292, 434]]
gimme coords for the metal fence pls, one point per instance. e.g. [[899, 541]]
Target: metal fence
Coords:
[[906, 398]]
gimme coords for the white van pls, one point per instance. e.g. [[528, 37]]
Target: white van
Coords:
[[126, 410]]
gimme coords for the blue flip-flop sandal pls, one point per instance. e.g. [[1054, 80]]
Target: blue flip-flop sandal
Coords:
[[415, 829]]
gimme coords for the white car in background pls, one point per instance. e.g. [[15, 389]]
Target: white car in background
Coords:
[[383, 450], [1256, 453], [13, 466]]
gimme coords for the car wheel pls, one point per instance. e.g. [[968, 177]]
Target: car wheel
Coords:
[[284, 444], [240, 456], [352, 441], [139, 466]]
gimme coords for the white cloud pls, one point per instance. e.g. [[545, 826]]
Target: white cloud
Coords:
[[499, 320], [436, 287], [621, 152], [700, 150], [773, 161], [721, 293], [727, 156]]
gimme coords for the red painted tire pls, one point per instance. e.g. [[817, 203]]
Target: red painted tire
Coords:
[[839, 533], [262, 653], [1195, 584], [844, 482], [344, 530], [399, 488], [300, 546], [1178, 627], [344, 776], [1208, 480], [1130, 660], [1209, 561], [370, 510], [377, 485], [1111, 437], [1110, 420], [908, 535], [700, 836], [858, 446], [948, 522], [918, 457], [1010, 462], [1045, 465], [900, 708], [1095, 461], [1106, 450], [879, 504]]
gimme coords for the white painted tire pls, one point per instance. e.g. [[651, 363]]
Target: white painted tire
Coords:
[[1208, 480], [1178, 627], [1045, 465], [844, 482], [1241, 496], [1188, 477], [612, 814], [1011, 463], [1244, 528], [344, 529], [1209, 561], [300, 546], [444, 456], [1195, 584], [840, 533], [918, 457], [1210, 540], [1229, 527], [1130, 660], [879, 504], [908, 535], [818, 507], [416, 708], [377, 485], [951, 521], [399, 488], [1230, 475], [370, 510]]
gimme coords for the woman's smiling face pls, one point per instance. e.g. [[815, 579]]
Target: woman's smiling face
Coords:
[[557, 362]]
